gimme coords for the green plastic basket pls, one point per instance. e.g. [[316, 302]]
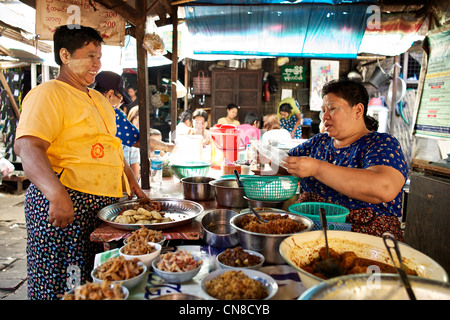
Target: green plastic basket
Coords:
[[190, 169], [333, 212], [270, 188]]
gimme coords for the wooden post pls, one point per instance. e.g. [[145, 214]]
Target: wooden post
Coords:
[[173, 108], [142, 83]]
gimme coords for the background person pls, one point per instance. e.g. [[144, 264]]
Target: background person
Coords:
[[250, 128], [185, 124], [66, 140], [132, 93], [290, 118], [350, 165], [230, 118], [200, 118], [272, 131]]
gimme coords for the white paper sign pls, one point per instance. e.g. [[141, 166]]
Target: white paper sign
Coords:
[[322, 71], [51, 14]]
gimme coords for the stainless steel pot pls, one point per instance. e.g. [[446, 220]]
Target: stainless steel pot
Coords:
[[266, 244], [228, 193], [198, 188], [217, 230]]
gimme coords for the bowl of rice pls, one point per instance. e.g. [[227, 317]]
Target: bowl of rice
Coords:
[[238, 284]]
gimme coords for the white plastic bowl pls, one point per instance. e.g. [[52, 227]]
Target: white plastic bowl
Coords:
[[159, 242], [254, 267], [129, 283], [265, 279], [124, 291], [301, 248], [144, 258], [176, 277]]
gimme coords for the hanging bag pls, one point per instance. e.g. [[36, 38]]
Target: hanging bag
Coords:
[[202, 84]]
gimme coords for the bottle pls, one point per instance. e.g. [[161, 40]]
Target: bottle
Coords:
[[156, 167]]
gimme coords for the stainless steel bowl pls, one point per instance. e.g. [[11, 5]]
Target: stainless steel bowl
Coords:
[[264, 204], [229, 194], [267, 244], [376, 287], [179, 210], [217, 230], [198, 188]]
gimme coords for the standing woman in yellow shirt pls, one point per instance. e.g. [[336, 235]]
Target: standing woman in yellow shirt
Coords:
[[66, 140]]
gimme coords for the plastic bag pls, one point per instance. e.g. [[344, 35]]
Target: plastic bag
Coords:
[[6, 167], [272, 153], [153, 42]]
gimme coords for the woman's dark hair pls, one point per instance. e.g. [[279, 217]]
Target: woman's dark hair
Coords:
[[285, 107], [73, 39], [251, 118], [352, 91], [371, 123], [185, 115], [232, 106]]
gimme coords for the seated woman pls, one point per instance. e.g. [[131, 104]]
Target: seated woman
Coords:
[[273, 133], [185, 124], [200, 117], [350, 165], [250, 128], [290, 118], [232, 112]]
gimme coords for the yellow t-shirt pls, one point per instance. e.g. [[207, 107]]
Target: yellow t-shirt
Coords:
[[81, 130]]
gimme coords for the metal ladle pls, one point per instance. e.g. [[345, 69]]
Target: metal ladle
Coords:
[[328, 267], [238, 179], [260, 219], [401, 271]]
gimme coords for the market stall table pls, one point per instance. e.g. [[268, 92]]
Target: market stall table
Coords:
[[171, 188], [188, 237]]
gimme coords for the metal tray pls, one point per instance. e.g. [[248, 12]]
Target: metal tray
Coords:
[[179, 210]]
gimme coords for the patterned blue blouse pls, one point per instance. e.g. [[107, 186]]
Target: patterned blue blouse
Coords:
[[126, 131], [370, 150]]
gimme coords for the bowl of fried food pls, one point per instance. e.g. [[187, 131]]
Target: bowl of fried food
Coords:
[[105, 290], [355, 253], [120, 270], [145, 252], [238, 284], [239, 257], [144, 235], [177, 267], [265, 238]]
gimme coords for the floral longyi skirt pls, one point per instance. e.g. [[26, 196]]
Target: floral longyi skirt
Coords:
[[58, 258]]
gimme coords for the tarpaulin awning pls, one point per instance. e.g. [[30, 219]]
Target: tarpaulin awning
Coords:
[[312, 30]]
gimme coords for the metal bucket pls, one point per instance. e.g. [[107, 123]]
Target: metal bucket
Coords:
[[379, 77]]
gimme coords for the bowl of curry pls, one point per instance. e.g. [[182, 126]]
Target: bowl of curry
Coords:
[[358, 253], [265, 238]]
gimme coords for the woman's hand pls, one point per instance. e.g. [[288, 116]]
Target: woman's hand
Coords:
[[301, 166], [61, 212], [137, 190]]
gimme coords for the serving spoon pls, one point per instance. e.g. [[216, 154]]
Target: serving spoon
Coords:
[[328, 267], [238, 179], [260, 219], [400, 270]]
